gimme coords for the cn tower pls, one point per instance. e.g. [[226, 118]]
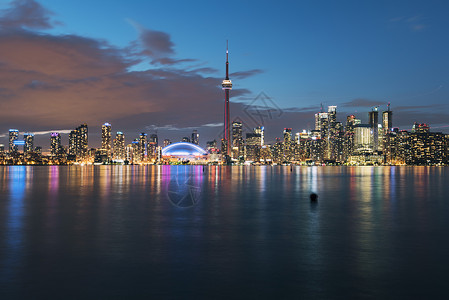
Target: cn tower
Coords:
[[227, 86]]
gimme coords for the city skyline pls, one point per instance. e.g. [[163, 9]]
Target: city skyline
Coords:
[[96, 135], [149, 76]]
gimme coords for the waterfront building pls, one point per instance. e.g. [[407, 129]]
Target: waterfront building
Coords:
[[195, 137], [29, 142], [288, 145], [13, 136], [373, 122], [81, 141], [55, 143], [363, 138], [238, 149], [106, 139], [153, 143], [119, 146], [252, 146], [143, 147]]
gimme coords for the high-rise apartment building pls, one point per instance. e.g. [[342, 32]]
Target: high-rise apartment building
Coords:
[[81, 141], [29, 142], [373, 122], [106, 138], [55, 143], [13, 136], [119, 146]]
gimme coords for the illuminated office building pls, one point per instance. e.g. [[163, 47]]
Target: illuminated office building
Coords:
[[426, 148], [13, 136], [363, 138], [260, 130], [238, 144], [252, 146]]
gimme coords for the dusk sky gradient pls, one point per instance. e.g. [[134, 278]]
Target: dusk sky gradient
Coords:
[[147, 66]]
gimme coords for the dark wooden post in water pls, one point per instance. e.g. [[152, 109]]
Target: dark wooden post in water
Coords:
[[313, 197]]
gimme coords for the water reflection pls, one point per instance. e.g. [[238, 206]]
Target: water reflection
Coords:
[[141, 228], [13, 239]]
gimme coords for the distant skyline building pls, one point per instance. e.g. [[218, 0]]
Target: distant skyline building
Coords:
[[387, 119], [238, 143], [374, 124], [13, 136], [227, 86], [29, 142], [142, 146], [167, 142], [72, 142], [106, 138], [195, 137], [81, 133], [119, 146], [55, 143], [260, 130]]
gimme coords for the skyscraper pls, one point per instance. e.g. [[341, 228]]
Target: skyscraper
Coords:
[[81, 141], [55, 143], [260, 130], [227, 86], [142, 146], [253, 146], [237, 140], [153, 143], [72, 142], [387, 120], [29, 142], [373, 122], [287, 144], [195, 137], [106, 138], [13, 136], [119, 146]]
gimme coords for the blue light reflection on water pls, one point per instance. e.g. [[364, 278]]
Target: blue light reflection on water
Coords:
[[12, 251]]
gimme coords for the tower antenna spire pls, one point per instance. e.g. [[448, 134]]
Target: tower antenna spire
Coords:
[[227, 61]]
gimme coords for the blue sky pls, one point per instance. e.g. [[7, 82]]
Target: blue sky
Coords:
[[299, 53]]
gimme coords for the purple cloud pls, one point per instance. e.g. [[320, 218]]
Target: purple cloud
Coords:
[[245, 74], [25, 14]]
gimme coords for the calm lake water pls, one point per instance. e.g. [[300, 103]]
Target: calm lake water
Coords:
[[181, 232]]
